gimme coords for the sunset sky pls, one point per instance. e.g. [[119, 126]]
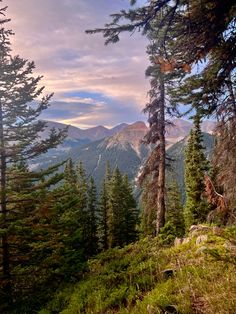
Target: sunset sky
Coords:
[[93, 84]]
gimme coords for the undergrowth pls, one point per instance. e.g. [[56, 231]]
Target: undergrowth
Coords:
[[133, 280]]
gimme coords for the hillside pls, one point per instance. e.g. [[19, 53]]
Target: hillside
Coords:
[[197, 276]]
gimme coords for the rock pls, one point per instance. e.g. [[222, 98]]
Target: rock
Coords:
[[217, 231], [196, 229], [201, 238], [168, 273], [170, 309], [230, 246], [178, 241], [201, 250], [186, 240]]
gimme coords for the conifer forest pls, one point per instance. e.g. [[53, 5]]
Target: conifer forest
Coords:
[[117, 157]]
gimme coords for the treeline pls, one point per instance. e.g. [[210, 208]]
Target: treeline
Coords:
[[50, 222], [57, 224]]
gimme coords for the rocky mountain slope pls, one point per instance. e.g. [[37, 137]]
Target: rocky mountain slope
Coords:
[[123, 148]]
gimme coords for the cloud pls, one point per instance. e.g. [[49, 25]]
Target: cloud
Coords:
[[52, 33]]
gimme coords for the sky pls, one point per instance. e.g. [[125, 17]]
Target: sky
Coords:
[[93, 84]]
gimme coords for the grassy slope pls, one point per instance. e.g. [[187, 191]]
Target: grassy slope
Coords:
[[131, 280]]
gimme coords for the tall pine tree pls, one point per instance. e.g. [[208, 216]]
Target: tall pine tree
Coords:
[[19, 129], [196, 164]]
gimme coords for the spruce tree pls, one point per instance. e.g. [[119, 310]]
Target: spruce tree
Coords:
[[122, 219], [148, 207], [130, 212], [196, 165], [115, 210], [103, 212], [92, 240], [19, 129], [103, 216], [70, 173], [174, 226], [174, 213]]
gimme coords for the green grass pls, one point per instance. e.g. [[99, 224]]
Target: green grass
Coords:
[[131, 280]]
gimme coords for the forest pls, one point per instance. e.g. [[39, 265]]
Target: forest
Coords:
[[70, 245]]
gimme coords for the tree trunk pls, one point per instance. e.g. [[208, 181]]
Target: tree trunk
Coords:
[[5, 246], [160, 218]]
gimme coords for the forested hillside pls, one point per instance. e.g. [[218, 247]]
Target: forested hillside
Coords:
[[129, 216]]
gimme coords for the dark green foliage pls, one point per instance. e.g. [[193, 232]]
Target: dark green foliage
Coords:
[[148, 208], [20, 108], [196, 165], [132, 280], [103, 227], [92, 241], [174, 226], [122, 218]]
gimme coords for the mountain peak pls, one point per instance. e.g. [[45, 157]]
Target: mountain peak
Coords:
[[130, 136], [139, 125]]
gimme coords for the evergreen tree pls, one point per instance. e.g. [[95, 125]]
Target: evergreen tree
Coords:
[[31, 236], [115, 210], [130, 212], [196, 165], [148, 207], [194, 31], [103, 216], [70, 173], [68, 222], [103, 228], [92, 240], [174, 213], [19, 129], [122, 219], [174, 226]]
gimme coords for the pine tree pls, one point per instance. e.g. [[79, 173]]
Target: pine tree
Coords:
[[103, 228], [115, 210], [174, 226], [148, 207], [92, 240], [196, 31], [31, 236], [122, 219], [19, 129], [174, 213], [130, 212], [196, 165], [103, 216], [70, 173]]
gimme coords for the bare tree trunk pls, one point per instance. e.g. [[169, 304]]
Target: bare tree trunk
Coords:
[[160, 218], [5, 246]]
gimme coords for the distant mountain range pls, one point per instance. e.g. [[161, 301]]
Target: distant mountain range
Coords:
[[91, 134], [121, 146]]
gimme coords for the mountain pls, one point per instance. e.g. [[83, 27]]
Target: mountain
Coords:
[[91, 134], [178, 129], [123, 149], [208, 126]]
